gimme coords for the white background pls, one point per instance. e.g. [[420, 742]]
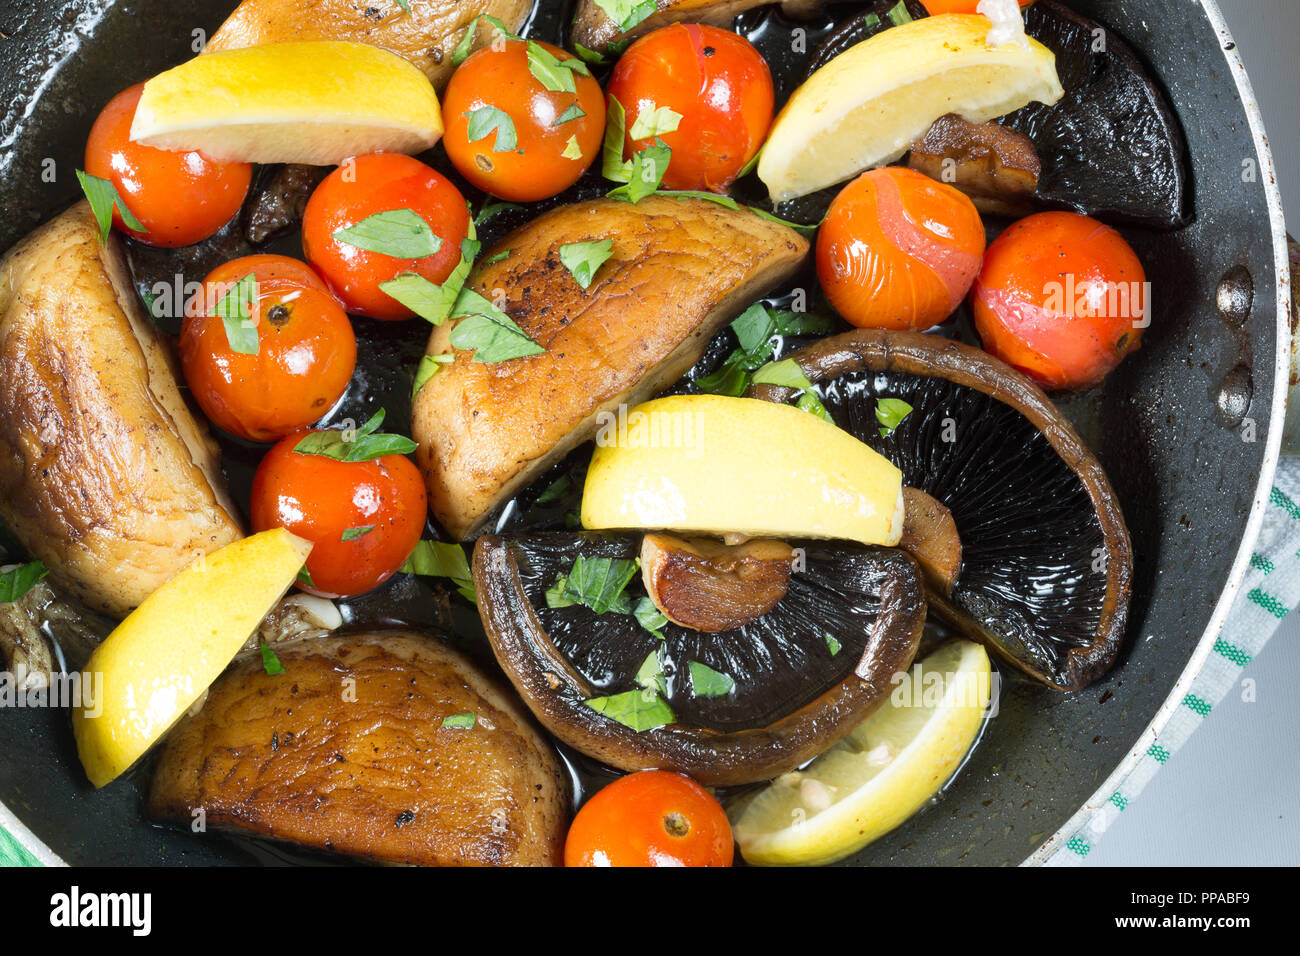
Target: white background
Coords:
[[1231, 795]]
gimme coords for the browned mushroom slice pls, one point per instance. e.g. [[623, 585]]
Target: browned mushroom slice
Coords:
[[105, 474], [710, 586], [426, 35], [595, 29], [1046, 563], [678, 271], [996, 166], [930, 535], [785, 686], [387, 746]]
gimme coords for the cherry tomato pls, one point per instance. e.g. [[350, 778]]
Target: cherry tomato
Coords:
[[180, 198], [899, 250], [548, 156], [364, 518], [306, 350], [1063, 298], [651, 818], [719, 85], [364, 187], [937, 7]]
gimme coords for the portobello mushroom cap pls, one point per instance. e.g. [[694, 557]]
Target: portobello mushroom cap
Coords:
[[806, 673], [678, 271], [1046, 562], [352, 750], [1111, 147]]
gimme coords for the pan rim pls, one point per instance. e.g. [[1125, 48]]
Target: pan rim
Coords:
[[1272, 453]]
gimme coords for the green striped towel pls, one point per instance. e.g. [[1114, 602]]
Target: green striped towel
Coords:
[[1268, 593]]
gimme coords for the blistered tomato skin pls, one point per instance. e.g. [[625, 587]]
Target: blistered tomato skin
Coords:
[[899, 250], [357, 190], [180, 198], [717, 82], [651, 818], [549, 156], [324, 500], [305, 357], [1063, 298]]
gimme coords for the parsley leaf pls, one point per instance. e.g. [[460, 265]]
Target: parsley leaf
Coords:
[[442, 559], [235, 310], [400, 233], [654, 121], [103, 197], [304, 577], [898, 13], [492, 208], [552, 72], [466, 44], [430, 301], [589, 55], [706, 682], [595, 583], [429, 366], [357, 533], [584, 259], [569, 115], [832, 645], [650, 675], [890, 412], [16, 582], [627, 13], [754, 330], [648, 168], [650, 617], [487, 330], [572, 149], [462, 721], [405, 5], [788, 374], [486, 119], [555, 491], [366, 445], [613, 165], [270, 663], [639, 710]]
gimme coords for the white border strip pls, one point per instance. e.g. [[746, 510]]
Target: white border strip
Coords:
[[1281, 385], [27, 839]]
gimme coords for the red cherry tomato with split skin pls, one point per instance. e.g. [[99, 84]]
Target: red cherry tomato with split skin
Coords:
[[651, 818], [357, 190], [1063, 298], [716, 81], [549, 156], [899, 250], [323, 500], [937, 7], [306, 350], [180, 198]]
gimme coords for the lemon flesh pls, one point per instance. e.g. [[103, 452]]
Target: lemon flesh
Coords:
[[877, 777], [717, 465], [865, 107], [158, 661], [313, 102]]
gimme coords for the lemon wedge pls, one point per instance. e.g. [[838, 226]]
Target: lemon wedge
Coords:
[[158, 661], [313, 102], [716, 465], [865, 107], [878, 776]]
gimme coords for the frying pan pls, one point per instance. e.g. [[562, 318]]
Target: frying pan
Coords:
[[1171, 427]]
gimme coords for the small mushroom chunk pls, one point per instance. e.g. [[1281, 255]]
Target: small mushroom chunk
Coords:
[[709, 586], [996, 166], [930, 535]]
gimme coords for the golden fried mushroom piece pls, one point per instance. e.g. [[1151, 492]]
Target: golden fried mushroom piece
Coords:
[[426, 36], [594, 29], [386, 746], [679, 270], [105, 474]]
